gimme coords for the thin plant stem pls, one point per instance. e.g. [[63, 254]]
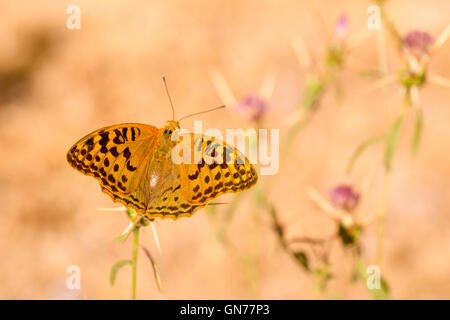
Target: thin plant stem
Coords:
[[134, 262], [383, 68], [390, 25], [439, 80], [255, 240], [381, 219], [326, 207], [384, 204], [442, 38], [254, 257], [302, 53]]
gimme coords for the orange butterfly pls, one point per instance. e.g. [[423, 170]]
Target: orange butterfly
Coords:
[[133, 164]]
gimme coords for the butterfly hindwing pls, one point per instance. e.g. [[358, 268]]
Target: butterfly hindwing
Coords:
[[217, 168], [168, 201], [162, 198]]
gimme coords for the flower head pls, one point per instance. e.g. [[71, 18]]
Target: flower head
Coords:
[[335, 53], [341, 28], [417, 43], [344, 197], [252, 107]]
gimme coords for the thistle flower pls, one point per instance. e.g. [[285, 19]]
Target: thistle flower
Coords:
[[341, 28], [344, 197], [252, 107], [417, 43], [336, 50]]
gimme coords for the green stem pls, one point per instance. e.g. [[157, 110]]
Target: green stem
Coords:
[[381, 220], [383, 68], [134, 261], [255, 240], [390, 25]]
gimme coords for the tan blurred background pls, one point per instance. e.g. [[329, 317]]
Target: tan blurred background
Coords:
[[56, 85]]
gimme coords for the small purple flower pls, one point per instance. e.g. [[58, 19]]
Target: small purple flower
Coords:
[[417, 43], [344, 197], [341, 28], [252, 107]]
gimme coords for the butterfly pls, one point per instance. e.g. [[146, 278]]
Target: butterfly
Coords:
[[134, 164]]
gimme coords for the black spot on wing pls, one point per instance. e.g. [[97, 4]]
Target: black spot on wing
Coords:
[[130, 167], [127, 153], [114, 152], [194, 176]]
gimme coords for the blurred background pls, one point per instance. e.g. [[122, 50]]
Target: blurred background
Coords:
[[57, 85]]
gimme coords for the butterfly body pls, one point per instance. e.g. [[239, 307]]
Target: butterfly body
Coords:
[[134, 165]]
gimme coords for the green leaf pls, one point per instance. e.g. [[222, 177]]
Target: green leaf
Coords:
[[302, 258], [131, 213], [383, 292], [361, 274], [315, 86], [417, 132], [277, 226], [360, 149], [124, 234], [155, 269], [115, 268], [392, 142], [323, 274]]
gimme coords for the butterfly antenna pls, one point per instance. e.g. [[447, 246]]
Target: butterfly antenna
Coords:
[[194, 114], [170, 99]]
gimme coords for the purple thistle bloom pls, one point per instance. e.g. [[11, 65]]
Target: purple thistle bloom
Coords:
[[417, 42], [344, 197], [252, 107], [341, 28]]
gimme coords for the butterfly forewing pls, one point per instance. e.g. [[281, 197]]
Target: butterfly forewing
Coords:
[[114, 156]]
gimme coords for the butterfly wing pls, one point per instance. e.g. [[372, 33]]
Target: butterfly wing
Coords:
[[115, 156], [179, 190], [220, 169], [168, 201], [163, 200], [120, 157]]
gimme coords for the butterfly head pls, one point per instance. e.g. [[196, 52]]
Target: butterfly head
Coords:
[[169, 129]]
